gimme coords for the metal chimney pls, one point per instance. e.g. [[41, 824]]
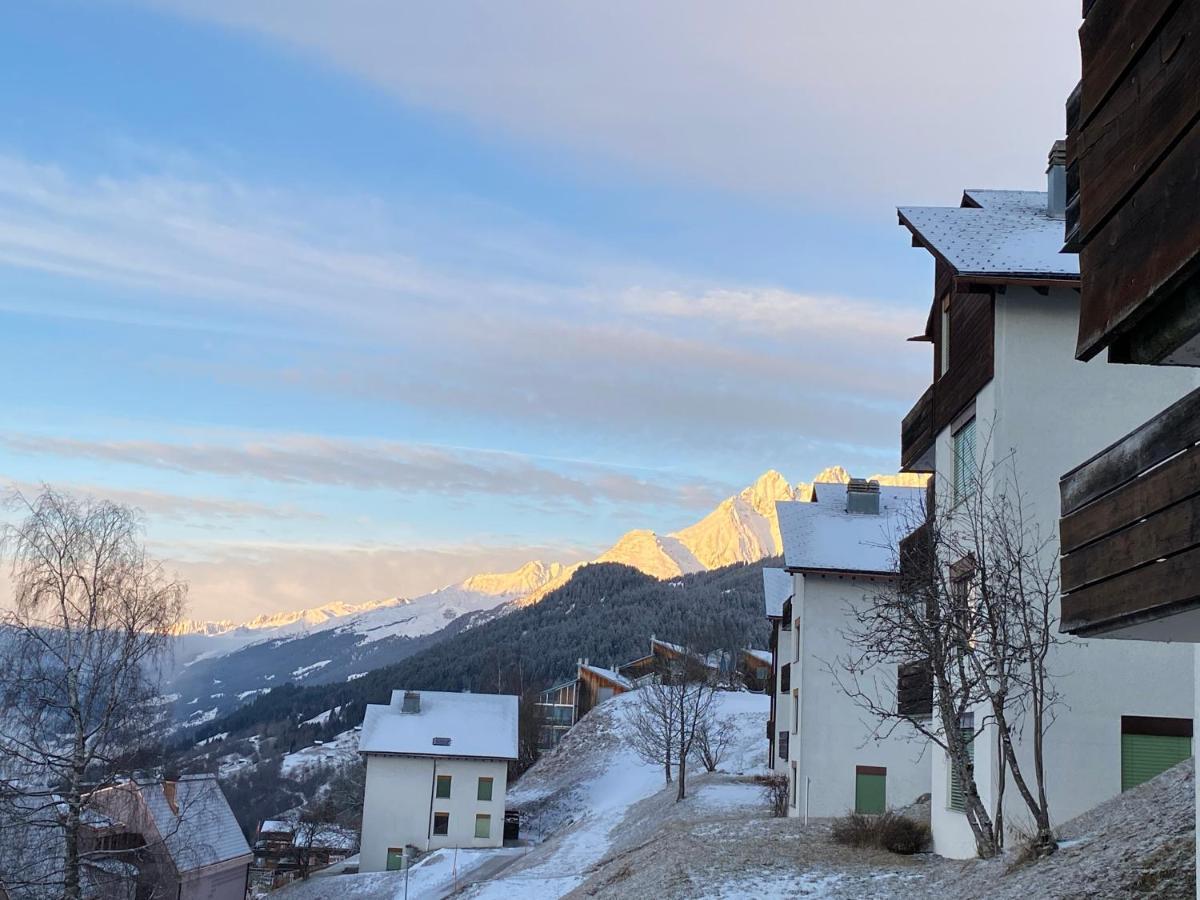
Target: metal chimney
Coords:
[[862, 497], [412, 702], [1056, 181]]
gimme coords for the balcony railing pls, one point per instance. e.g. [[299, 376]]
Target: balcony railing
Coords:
[[917, 435], [1130, 529]]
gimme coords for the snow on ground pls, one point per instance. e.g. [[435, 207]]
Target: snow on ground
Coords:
[[340, 751], [353, 676], [308, 670], [322, 717], [437, 875]]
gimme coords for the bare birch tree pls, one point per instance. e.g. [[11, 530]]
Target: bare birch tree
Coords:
[[975, 601], [90, 622]]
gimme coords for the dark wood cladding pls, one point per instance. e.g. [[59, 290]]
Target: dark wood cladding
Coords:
[[917, 435], [1130, 532], [1133, 156], [914, 689]]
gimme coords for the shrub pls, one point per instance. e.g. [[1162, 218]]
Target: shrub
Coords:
[[888, 831], [775, 791]]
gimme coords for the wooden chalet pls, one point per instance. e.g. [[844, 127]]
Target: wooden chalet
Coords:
[[1130, 527]]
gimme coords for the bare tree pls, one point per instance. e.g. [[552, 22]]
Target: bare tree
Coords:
[[976, 603], [652, 729], [90, 622], [714, 735]]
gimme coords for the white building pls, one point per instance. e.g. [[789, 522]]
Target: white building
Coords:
[[837, 549], [437, 773], [1007, 387], [777, 597]]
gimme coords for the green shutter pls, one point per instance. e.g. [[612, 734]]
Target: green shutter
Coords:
[[870, 793], [395, 859], [483, 826], [958, 797], [485, 789], [1145, 755], [443, 786]]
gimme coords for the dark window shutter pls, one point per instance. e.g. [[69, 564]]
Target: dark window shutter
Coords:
[[783, 744], [785, 678], [914, 689]]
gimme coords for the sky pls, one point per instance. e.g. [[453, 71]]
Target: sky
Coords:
[[356, 299]]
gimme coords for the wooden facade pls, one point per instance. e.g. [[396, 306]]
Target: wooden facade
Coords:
[[1130, 531], [1133, 178], [1130, 527]]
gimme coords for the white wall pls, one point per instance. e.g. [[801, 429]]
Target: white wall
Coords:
[[783, 702], [396, 807], [834, 735], [1052, 412]]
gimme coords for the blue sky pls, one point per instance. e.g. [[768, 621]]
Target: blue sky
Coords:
[[358, 299]]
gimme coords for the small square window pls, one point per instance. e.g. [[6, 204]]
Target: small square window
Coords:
[[441, 823], [485, 789], [483, 826], [443, 787]]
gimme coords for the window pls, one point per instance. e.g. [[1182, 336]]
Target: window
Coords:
[[795, 712], [485, 789], [957, 796], [785, 678], [443, 787], [395, 859], [945, 348], [964, 460], [483, 825], [870, 790], [441, 823], [795, 787], [1150, 746], [783, 744]]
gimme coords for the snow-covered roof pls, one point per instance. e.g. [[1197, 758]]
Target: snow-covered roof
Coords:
[[197, 826], [761, 655], [477, 725], [821, 536], [777, 588], [1007, 234], [608, 675]]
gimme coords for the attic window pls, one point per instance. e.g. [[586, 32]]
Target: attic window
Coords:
[[441, 742]]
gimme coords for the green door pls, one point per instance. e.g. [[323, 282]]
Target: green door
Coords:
[[870, 790], [1145, 755], [395, 859]]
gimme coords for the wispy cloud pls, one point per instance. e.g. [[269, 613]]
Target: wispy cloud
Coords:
[[838, 101], [382, 465]]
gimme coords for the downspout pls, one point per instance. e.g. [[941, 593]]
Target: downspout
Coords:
[[429, 820]]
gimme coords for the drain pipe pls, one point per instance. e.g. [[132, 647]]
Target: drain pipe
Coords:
[[429, 821]]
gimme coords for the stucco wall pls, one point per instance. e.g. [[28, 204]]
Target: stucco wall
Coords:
[[834, 734], [396, 808], [1051, 412]]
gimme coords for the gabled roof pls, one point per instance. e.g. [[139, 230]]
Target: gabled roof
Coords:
[[765, 656], [477, 725], [777, 588], [608, 675], [1001, 234], [197, 826], [820, 536]]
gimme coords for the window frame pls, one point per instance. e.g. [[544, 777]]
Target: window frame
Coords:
[[963, 481], [483, 817], [490, 782], [437, 787], [444, 816]]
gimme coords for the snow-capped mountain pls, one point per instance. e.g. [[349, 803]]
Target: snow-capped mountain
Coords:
[[222, 664]]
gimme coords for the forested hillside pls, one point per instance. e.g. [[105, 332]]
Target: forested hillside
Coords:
[[606, 612]]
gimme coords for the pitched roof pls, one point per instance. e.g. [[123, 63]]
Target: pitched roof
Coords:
[[198, 828], [777, 588], [821, 536], [762, 655], [608, 675], [995, 233], [477, 725]]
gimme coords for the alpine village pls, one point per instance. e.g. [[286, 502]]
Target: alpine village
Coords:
[[974, 677]]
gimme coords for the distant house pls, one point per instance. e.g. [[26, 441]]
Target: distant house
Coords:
[[754, 669], [777, 596], [1008, 397], [437, 773], [179, 837], [662, 657], [279, 844], [564, 704], [837, 549]]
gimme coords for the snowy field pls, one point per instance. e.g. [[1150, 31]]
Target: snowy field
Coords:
[[604, 825]]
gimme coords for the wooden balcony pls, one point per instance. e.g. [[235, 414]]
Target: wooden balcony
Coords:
[[917, 433], [1130, 533]]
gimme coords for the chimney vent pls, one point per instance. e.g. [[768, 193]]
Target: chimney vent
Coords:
[[862, 497], [1056, 181], [412, 702]]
